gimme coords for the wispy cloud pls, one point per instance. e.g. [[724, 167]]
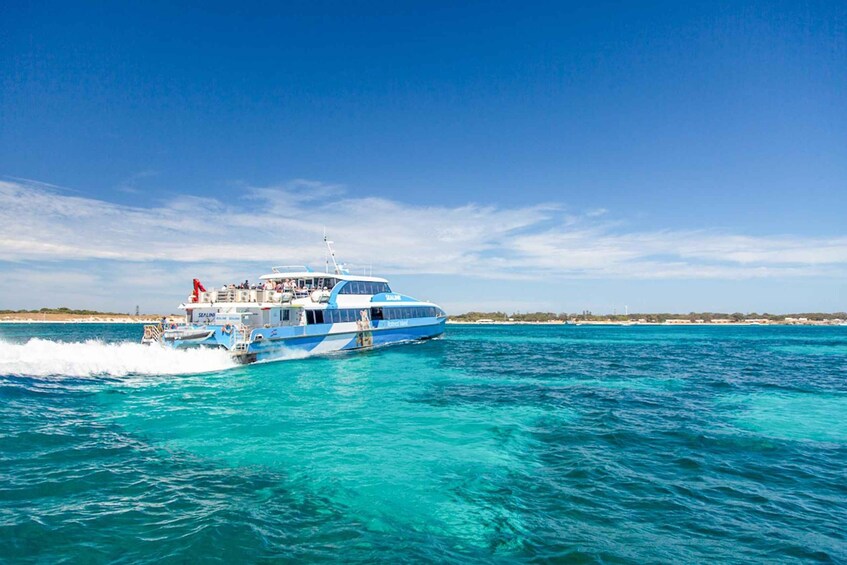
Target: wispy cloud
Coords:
[[269, 225], [129, 185]]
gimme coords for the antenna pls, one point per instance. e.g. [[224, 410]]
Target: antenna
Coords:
[[331, 253]]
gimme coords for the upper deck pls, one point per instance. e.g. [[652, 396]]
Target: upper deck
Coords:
[[303, 272], [296, 286]]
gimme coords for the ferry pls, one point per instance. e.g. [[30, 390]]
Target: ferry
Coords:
[[295, 309]]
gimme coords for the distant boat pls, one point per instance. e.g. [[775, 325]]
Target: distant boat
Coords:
[[298, 309]]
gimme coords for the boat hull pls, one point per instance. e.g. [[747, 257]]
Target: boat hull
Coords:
[[342, 339], [269, 344]]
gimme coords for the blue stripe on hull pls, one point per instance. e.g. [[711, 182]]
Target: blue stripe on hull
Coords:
[[274, 349]]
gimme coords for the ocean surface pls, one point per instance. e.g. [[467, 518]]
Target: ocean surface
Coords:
[[493, 444]]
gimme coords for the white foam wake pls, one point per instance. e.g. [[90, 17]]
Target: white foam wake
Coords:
[[41, 358]]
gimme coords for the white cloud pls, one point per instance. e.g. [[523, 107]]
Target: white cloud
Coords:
[[273, 225]]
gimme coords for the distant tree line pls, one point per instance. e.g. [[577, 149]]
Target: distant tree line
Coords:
[[62, 310], [653, 318]]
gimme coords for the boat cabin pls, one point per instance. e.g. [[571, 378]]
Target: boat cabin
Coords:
[[288, 296]]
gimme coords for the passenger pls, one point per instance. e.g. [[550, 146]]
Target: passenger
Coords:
[[269, 285]]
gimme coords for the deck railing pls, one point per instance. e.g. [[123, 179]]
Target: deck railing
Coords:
[[253, 296], [152, 332]]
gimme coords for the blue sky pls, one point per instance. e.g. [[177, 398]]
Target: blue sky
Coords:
[[517, 156]]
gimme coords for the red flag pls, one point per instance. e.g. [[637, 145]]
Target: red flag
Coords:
[[198, 288]]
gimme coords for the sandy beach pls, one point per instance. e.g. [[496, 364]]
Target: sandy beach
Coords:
[[54, 318]]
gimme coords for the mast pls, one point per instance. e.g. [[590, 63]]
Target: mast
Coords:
[[331, 252]]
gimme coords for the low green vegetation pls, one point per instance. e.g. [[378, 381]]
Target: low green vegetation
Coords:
[[63, 310], [705, 317]]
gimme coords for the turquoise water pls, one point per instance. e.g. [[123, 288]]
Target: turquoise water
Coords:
[[495, 443]]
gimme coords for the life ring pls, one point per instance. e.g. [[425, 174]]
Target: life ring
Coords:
[[227, 329], [148, 332]]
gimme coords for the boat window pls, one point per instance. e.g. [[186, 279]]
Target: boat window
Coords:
[[324, 283], [395, 313], [286, 315], [364, 287], [376, 314]]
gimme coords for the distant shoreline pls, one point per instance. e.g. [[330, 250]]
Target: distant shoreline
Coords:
[[674, 323], [54, 318], [462, 323], [19, 322]]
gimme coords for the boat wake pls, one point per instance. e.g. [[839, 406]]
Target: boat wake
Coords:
[[43, 358]]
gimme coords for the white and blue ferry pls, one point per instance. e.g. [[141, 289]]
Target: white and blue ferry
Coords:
[[296, 309]]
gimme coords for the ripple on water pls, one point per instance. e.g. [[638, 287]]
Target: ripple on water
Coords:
[[359, 437], [791, 416], [838, 348]]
